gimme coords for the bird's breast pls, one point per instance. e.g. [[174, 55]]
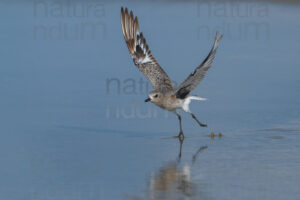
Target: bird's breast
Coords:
[[171, 103]]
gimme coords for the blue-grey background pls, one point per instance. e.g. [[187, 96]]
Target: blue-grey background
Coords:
[[73, 123]]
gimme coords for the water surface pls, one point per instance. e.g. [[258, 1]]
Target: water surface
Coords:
[[74, 124]]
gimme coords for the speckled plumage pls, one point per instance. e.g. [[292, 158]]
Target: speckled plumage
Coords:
[[141, 54], [164, 95]]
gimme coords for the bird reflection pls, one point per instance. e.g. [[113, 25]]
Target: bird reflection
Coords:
[[173, 181]]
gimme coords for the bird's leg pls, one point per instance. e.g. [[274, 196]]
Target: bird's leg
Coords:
[[181, 136], [180, 148], [179, 118], [201, 124]]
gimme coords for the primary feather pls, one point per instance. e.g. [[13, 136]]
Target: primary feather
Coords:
[[141, 53], [197, 76]]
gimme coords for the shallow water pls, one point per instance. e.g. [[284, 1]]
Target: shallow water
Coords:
[[74, 124]]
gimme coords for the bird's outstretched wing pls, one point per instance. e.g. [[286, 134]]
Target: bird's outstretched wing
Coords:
[[196, 77], [141, 53]]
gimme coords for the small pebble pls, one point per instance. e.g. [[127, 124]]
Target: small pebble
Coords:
[[212, 135]]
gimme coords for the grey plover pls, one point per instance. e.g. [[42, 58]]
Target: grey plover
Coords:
[[164, 94]]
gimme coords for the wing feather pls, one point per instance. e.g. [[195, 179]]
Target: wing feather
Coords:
[[141, 53], [197, 76]]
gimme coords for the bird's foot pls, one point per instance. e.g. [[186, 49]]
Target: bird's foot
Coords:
[[180, 136]]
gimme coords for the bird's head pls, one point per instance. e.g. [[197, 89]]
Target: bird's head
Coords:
[[154, 97]]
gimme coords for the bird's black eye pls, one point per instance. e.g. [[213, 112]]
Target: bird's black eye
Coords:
[[155, 96]]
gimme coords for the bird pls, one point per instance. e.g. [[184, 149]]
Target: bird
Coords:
[[164, 95]]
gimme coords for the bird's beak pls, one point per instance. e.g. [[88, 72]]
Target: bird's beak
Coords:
[[148, 99]]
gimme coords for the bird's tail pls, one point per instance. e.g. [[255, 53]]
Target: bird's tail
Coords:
[[197, 98], [187, 102]]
